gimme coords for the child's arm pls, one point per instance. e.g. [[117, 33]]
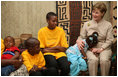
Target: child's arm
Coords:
[[16, 56], [6, 62], [20, 58], [84, 54], [54, 49], [35, 68]]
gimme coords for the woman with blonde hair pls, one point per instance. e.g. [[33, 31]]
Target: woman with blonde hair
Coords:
[[105, 39]]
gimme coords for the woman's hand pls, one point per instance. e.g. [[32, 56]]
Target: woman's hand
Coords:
[[94, 50], [80, 44], [100, 50]]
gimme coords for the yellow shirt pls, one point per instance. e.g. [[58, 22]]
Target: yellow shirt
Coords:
[[2, 46], [52, 38], [30, 60]]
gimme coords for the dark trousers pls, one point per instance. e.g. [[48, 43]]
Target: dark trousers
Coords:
[[60, 63], [46, 72]]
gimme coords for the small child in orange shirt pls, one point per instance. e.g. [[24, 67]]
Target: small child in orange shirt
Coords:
[[34, 60]]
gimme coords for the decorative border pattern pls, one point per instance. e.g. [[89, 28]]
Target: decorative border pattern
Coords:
[[113, 15], [114, 19], [86, 11], [72, 15], [64, 16]]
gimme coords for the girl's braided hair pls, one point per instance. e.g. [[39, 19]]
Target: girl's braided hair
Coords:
[[92, 40]]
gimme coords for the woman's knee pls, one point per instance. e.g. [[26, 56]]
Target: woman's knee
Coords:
[[92, 60], [104, 60], [105, 56]]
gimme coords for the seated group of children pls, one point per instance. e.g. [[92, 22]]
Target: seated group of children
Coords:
[[34, 59]]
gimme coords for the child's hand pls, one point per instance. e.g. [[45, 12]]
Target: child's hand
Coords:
[[17, 63], [21, 59], [34, 68], [84, 57], [44, 68]]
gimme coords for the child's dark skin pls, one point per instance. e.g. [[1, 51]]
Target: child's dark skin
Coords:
[[84, 54], [6, 62], [91, 44], [9, 42], [52, 23], [33, 46]]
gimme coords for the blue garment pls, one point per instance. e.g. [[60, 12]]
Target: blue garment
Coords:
[[75, 57], [5, 71], [9, 52]]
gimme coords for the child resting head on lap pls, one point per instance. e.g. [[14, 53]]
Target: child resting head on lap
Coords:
[[76, 56]]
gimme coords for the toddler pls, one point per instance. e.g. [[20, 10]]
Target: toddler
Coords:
[[76, 57], [34, 60], [10, 52]]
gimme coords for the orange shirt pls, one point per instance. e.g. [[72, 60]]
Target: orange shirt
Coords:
[[2, 46], [29, 60], [52, 38]]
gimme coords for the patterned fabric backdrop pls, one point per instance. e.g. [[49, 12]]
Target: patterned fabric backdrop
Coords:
[[114, 18], [75, 20], [72, 15], [64, 16]]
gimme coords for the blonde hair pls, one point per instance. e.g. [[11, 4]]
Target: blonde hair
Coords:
[[100, 6]]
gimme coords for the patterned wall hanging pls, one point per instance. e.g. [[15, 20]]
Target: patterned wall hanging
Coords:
[[75, 20], [114, 18], [64, 16], [86, 11], [72, 15]]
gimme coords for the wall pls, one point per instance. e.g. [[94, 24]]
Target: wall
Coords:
[[19, 17]]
